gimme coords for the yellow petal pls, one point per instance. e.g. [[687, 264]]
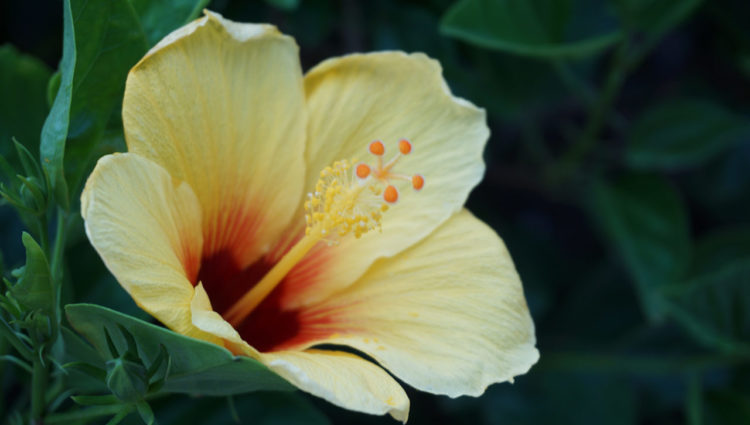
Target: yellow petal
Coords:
[[220, 105], [359, 98], [446, 316], [143, 223], [343, 379], [219, 330]]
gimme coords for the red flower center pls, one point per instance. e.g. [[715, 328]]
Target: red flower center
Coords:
[[270, 327]]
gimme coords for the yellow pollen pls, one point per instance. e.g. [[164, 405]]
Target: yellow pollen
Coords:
[[346, 200], [343, 203]]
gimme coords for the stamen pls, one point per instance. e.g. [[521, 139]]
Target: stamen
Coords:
[[344, 201], [390, 194], [340, 204], [384, 173], [417, 181], [363, 171], [377, 148], [404, 146]]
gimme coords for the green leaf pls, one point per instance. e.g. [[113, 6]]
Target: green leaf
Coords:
[[99, 47], [284, 4], [95, 400], [655, 18], [715, 308], [720, 249], [34, 288], [713, 304], [28, 163], [126, 379], [53, 85], [55, 129], [124, 412], [112, 42], [85, 367], [160, 17], [144, 410], [23, 82], [540, 28], [683, 133], [646, 221], [196, 366], [18, 362], [720, 188]]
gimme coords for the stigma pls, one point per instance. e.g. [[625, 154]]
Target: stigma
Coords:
[[350, 197]]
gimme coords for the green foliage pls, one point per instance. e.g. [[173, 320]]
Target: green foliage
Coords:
[[726, 248], [715, 308], [55, 129], [645, 219], [102, 41], [713, 304], [284, 4], [34, 290], [159, 17], [27, 191], [23, 80], [197, 367], [542, 28], [683, 133]]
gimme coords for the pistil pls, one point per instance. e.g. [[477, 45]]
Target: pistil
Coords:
[[252, 298]]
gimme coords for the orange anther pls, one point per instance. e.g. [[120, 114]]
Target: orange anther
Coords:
[[390, 194], [404, 146], [363, 170], [417, 181], [377, 148]]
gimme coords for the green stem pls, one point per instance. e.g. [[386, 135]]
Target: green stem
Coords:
[[42, 233], [57, 253], [38, 384], [56, 262], [573, 83], [693, 400], [600, 110]]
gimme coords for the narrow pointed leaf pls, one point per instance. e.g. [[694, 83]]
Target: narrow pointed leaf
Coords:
[[34, 288], [144, 410], [196, 366], [95, 400], [102, 41], [29, 164], [55, 130]]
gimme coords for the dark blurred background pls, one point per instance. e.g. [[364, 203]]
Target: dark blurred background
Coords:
[[618, 174]]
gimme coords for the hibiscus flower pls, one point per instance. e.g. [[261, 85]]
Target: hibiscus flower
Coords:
[[272, 213]]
